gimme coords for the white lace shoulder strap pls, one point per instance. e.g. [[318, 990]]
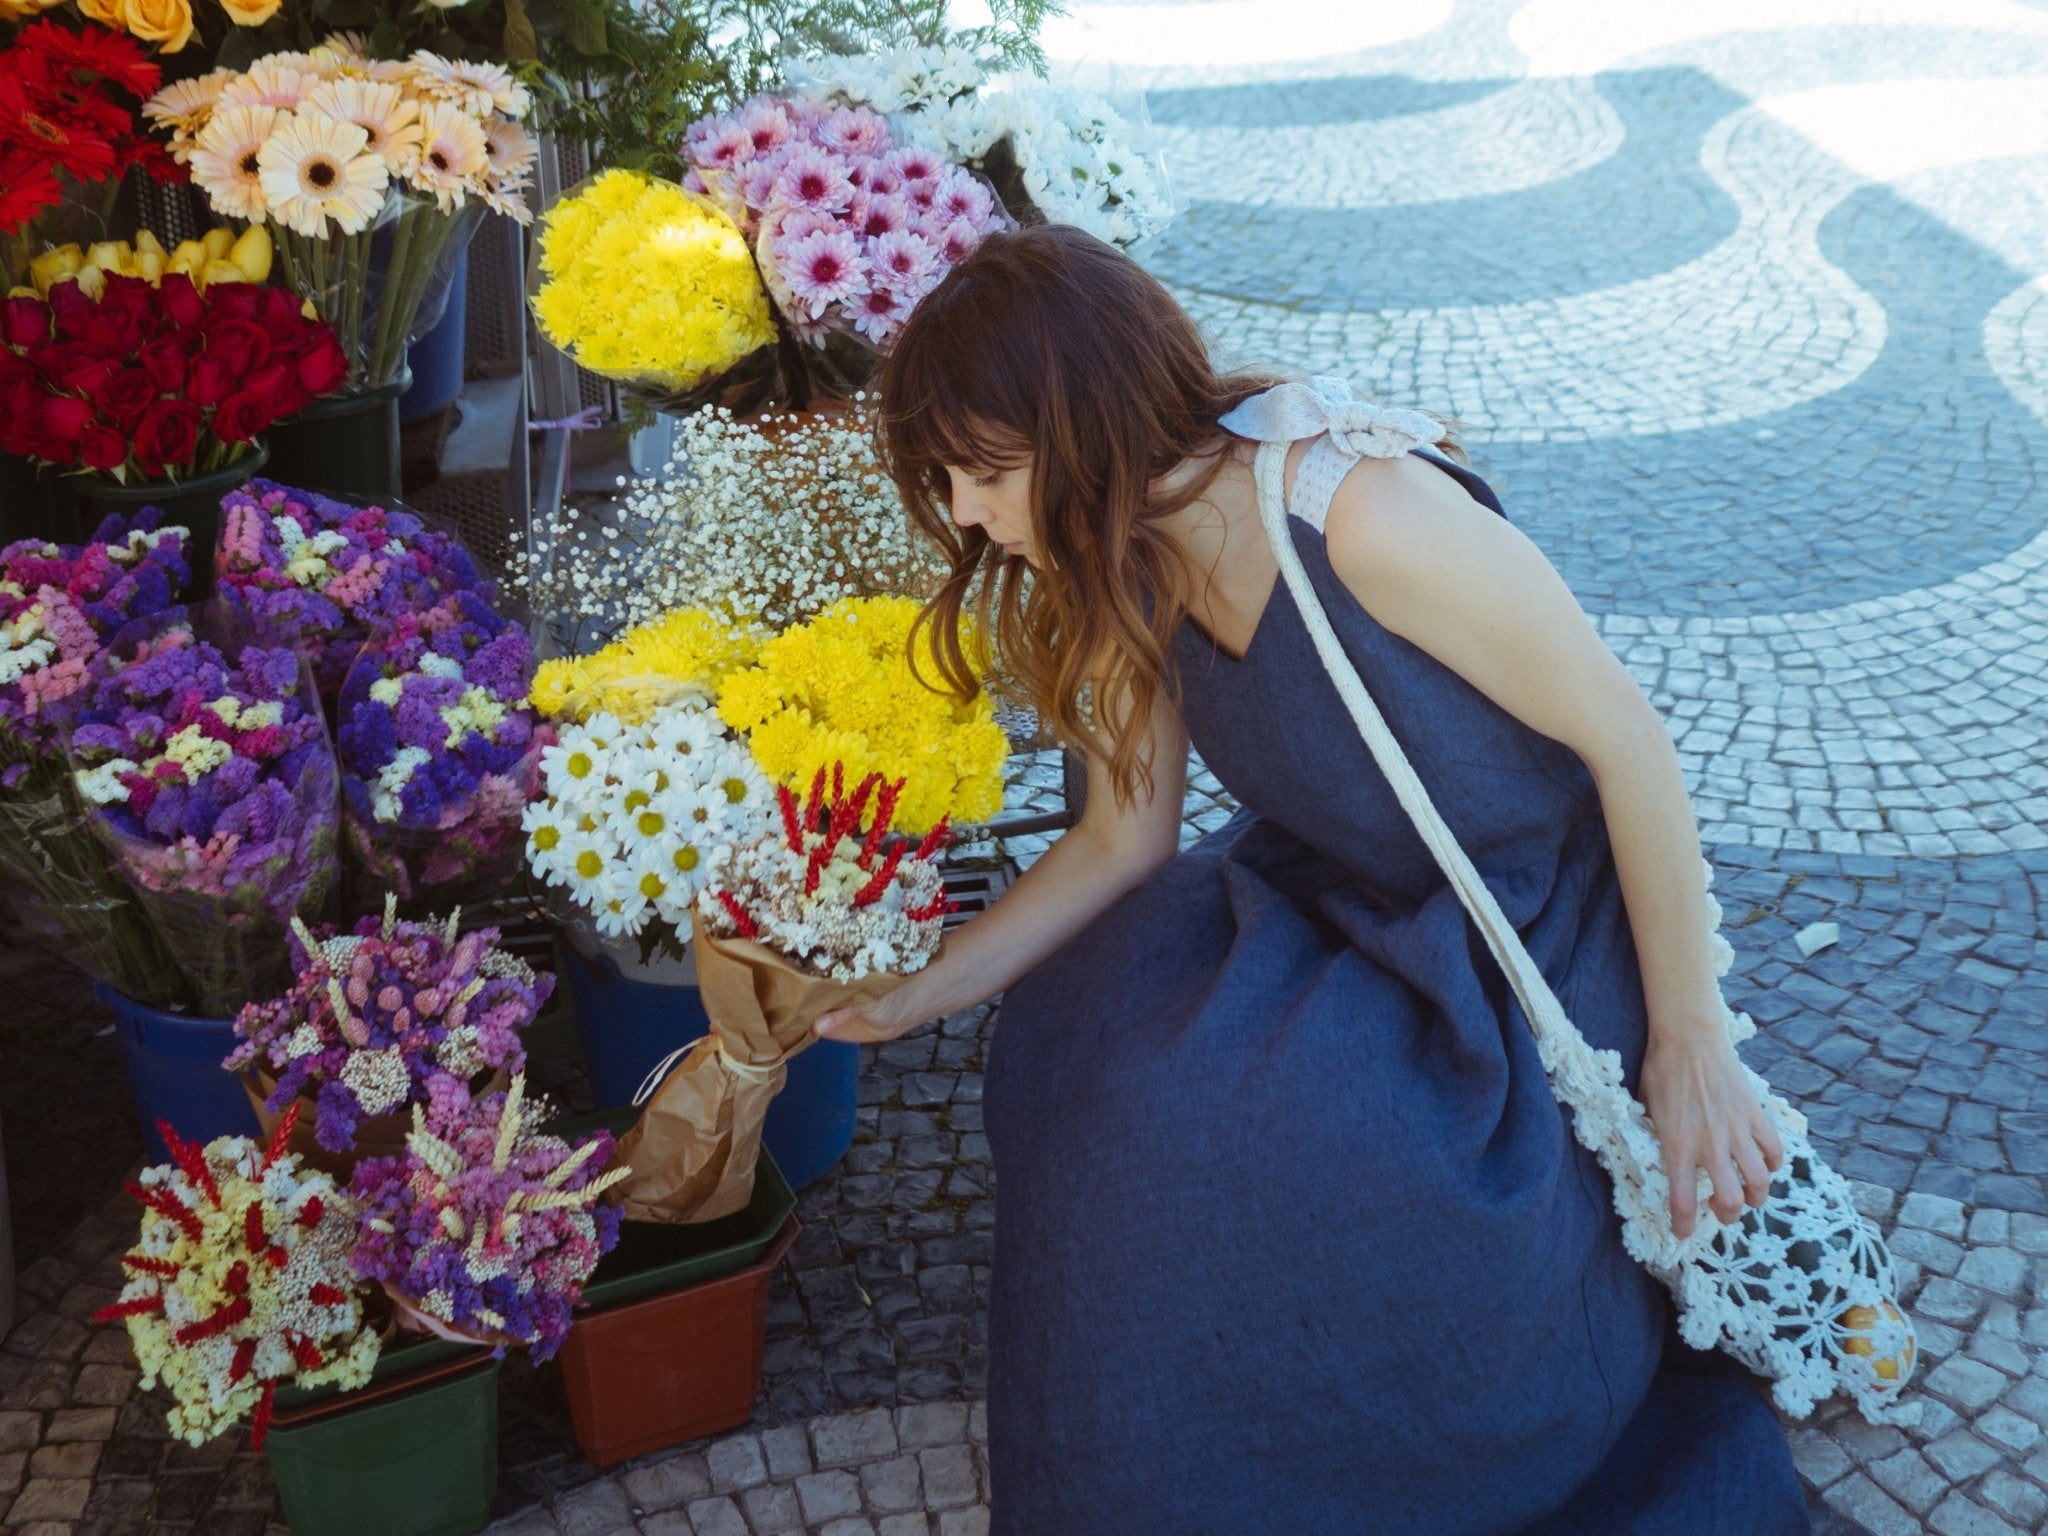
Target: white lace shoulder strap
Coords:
[[1348, 429]]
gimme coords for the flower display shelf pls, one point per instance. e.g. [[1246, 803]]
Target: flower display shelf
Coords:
[[173, 1062], [627, 1025], [414, 1452], [671, 1348]]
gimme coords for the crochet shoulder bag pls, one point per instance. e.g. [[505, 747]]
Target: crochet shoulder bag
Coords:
[[1801, 1288]]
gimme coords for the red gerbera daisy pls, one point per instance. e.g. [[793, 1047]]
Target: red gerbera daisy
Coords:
[[114, 56], [27, 187], [33, 122]]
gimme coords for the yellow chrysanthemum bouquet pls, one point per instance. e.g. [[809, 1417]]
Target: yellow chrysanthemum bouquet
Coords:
[[647, 284], [327, 147]]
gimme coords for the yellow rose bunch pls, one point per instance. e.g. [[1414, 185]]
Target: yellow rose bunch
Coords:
[[839, 689], [682, 654], [646, 283], [219, 256]]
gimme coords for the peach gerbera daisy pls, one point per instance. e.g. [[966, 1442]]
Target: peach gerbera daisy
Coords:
[[277, 81], [479, 89], [183, 107], [315, 168], [226, 160], [381, 110], [454, 155]]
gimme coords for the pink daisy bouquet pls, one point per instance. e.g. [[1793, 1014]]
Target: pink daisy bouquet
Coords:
[[371, 173], [59, 605], [486, 1228], [849, 227]]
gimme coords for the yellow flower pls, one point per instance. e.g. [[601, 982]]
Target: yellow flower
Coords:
[[167, 23], [106, 12], [689, 651], [645, 282], [250, 13]]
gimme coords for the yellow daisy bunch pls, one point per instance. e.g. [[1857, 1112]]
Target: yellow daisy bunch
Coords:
[[689, 651], [839, 689], [649, 284]]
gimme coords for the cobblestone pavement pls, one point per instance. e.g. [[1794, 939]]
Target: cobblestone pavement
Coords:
[[1743, 308]]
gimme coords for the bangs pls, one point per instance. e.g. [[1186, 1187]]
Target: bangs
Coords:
[[960, 403]]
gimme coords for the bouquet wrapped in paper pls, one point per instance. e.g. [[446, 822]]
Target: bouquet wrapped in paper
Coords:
[[299, 569], [439, 753], [389, 1015], [241, 1282], [485, 1228], [214, 790], [59, 605], [828, 911]]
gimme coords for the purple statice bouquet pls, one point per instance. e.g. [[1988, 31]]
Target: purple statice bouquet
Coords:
[[214, 785], [320, 575], [385, 1016], [849, 228], [59, 604], [439, 752], [486, 1228]]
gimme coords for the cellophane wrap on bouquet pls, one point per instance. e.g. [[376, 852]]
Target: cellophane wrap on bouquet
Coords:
[[388, 1015], [240, 1282], [215, 790], [59, 604], [439, 754], [373, 174], [827, 913], [486, 1228], [299, 569]]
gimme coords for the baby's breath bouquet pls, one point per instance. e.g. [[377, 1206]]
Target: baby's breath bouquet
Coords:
[[647, 284], [770, 519]]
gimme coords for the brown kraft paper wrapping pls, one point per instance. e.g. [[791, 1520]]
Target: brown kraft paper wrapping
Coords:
[[693, 1151]]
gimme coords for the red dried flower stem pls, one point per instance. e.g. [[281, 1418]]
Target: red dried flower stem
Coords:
[[191, 1160], [143, 1264], [220, 1322], [140, 1306], [792, 830], [746, 926], [245, 1356], [282, 1135], [325, 1295], [306, 1353], [311, 1212], [168, 1205], [935, 839], [860, 797], [878, 882], [817, 801], [885, 812], [259, 1422], [252, 1229]]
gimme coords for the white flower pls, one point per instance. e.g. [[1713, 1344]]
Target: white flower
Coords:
[[388, 691], [102, 785], [392, 779], [378, 1079]]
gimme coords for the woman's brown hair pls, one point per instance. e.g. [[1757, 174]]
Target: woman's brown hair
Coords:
[[1052, 343]]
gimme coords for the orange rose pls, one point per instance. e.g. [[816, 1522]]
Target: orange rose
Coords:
[[167, 23]]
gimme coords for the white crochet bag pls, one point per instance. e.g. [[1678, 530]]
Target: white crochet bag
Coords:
[[1800, 1289]]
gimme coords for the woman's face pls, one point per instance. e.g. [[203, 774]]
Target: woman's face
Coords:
[[997, 501]]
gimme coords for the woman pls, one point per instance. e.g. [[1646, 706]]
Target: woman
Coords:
[[1292, 1235]]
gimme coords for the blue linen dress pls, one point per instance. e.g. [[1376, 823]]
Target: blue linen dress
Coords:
[[1292, 1236]]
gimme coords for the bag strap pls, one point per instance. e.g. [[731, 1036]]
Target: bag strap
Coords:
[[1580, 1075]]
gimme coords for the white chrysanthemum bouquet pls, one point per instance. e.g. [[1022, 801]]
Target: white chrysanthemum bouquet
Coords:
[[330, 148]]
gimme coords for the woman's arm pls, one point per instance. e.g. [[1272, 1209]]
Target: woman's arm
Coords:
[[1468, 587], [1109, 850]]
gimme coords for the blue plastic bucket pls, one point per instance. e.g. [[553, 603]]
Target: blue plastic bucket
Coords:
[[437, 358], [174, 1070], [628, 1026]]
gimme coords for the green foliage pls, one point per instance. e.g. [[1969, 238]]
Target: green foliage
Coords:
[[665, 63]]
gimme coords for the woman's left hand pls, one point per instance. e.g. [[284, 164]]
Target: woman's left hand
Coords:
[[1707, 1116]]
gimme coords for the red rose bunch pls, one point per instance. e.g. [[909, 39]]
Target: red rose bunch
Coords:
[[147, 381], [66, 112]]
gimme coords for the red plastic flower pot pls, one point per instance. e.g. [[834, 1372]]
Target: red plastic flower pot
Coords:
[[672, 1368]]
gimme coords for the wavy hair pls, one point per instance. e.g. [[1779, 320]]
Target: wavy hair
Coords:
[[1050, 343]]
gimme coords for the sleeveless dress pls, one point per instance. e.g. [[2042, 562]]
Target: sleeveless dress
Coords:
[[1292, 1237]]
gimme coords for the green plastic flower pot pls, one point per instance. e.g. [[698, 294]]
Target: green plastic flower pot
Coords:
[[422, 1461], [78, 503], [344, 446]]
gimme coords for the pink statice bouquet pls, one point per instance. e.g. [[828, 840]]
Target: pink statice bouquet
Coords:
[[850, 228]]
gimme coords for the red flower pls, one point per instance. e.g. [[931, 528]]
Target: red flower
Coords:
[[124, 397], [209, 381], [243, 416], [73, 312], [94, 50], [155, 161], [168, 359], [167, 436], [24, 322], [323, 367], [102, 447], [27, 187], [131, 306], [244, 301], [36, 122], [180, 300], [240, 346]]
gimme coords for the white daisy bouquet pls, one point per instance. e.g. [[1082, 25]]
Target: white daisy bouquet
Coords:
[[370, 174], [637, 820], [1056, 156]]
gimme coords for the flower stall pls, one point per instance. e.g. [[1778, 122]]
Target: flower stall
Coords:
[[342, 818]]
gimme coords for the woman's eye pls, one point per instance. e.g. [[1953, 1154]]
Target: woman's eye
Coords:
[[988, 480]]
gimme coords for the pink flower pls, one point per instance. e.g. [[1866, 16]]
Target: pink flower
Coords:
[[958, 241], [879, 313], [757, 181], [914, 164], [962, 197], [876, 216], [882, 180], [767, 122], [813, 178], [854, 131], [823, 269], [732, 145], [902, 258], [790, 225]]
